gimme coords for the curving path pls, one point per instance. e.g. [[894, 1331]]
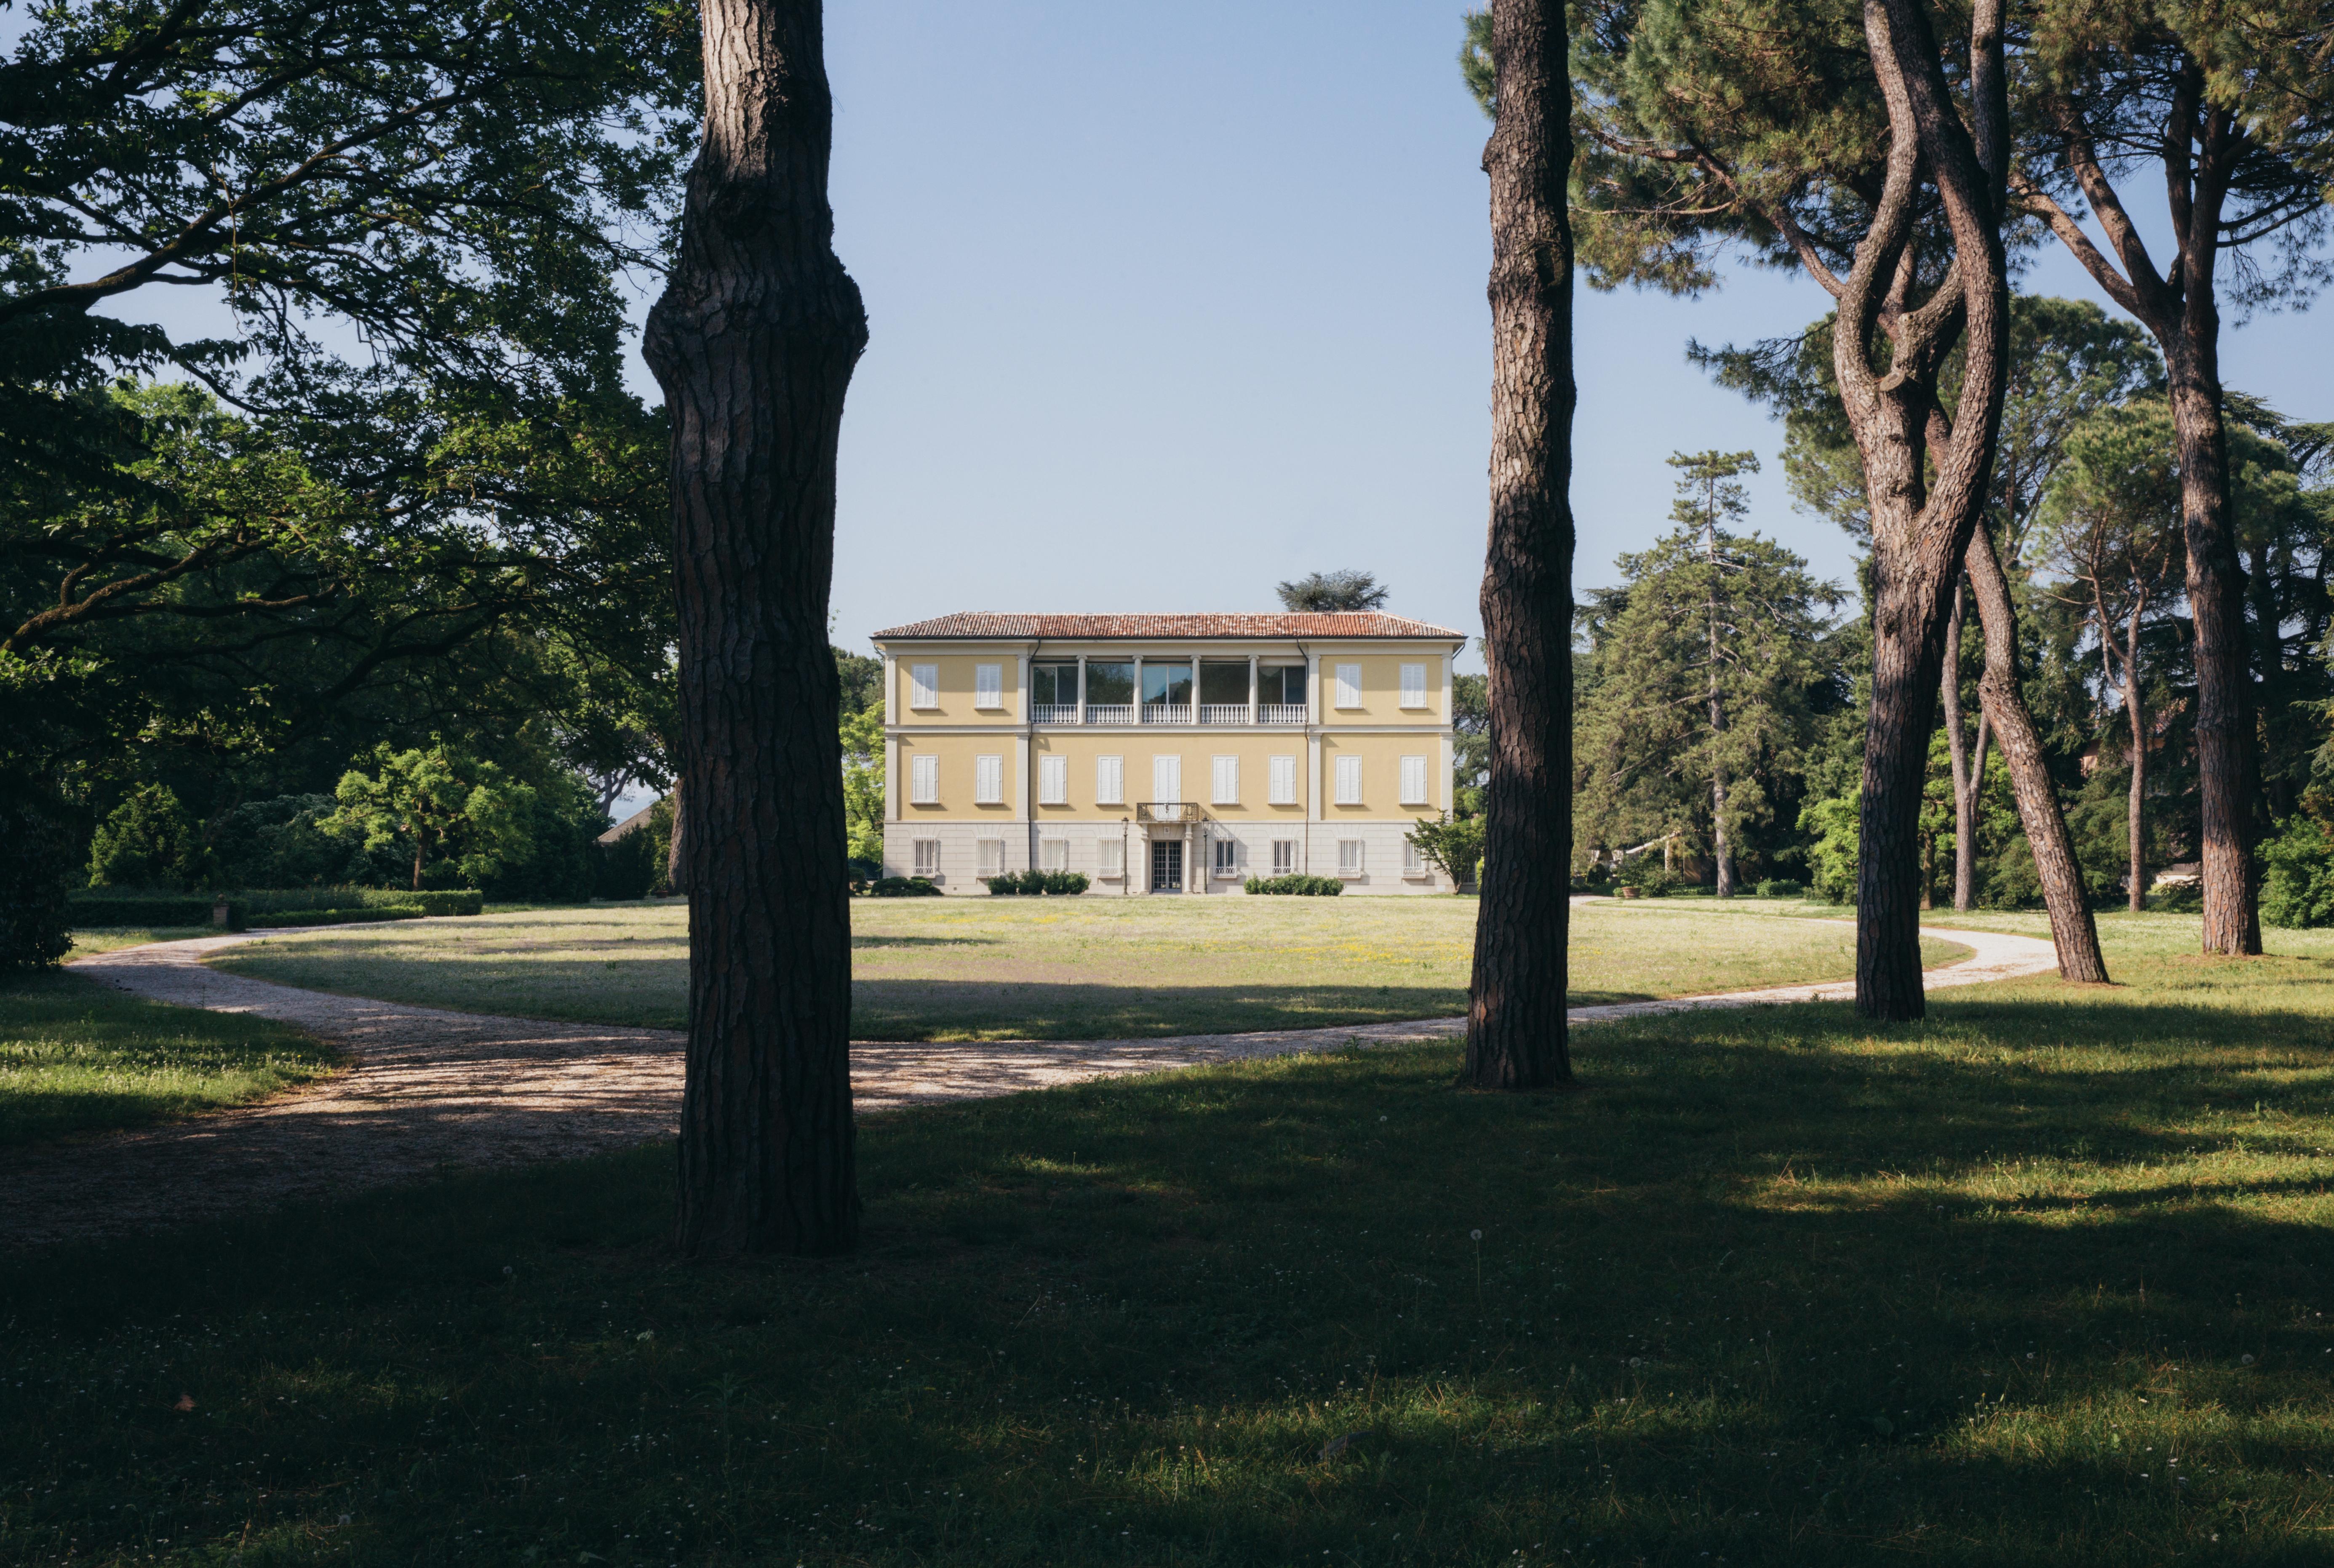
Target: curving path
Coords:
[[432, 1090]]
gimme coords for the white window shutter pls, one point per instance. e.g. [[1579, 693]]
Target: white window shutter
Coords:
[[1110, 781], [1052, 781], [1349, 686], [1284, 781], [988, 686], [1413, 686], [1226, 780], [923, 686], [1414, 781], [989, 781], [1166, 778], [925, 775], [1349, 782]]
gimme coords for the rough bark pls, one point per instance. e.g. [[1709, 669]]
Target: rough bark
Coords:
[[1721, 850], [754, 344], [1966, 783], [673, 859], [1516, 1029], [2073, 932], [2135, 823]]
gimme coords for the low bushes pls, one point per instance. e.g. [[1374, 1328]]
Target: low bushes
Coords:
[[1035, 882], [270, 906], [356, 917], [1303, 887], [98, 911], [1781, 888], [902, 888]]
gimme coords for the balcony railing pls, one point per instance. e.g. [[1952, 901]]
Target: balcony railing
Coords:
[[1109, 713], [1223, 713], [1281, 713], [1166, 713], [1167, 811], [1053, 713]]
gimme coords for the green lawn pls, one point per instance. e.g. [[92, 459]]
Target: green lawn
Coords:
[[1063, 968], [2040, 1281], [76, 1056], [106, 939]]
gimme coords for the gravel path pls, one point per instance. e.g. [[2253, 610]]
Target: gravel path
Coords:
[[433, 1091]]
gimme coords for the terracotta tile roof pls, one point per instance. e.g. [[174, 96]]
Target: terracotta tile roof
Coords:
[[981, 623]]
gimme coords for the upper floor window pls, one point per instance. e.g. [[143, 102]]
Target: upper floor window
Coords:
[[1414, 781], [1284, 781], [1166, 684], [1054, 685], [1110, 780], [1224, 781], [988, 686], [1349, 781], [1281, 685], [989, 781], [1349, 686], [1223, 683], [1109, 685], [1052, 781], [925, 780], [1413, 686], [923, 686]]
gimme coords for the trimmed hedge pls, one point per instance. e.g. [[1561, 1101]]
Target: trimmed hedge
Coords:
[[435, 901], [1303, 887], [1035, 882], [903, 888], [97, 913], [334, 917]]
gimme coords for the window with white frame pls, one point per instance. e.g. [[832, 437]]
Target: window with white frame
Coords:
[[1284, 781], [923, 686], [1349, 781], [989, 781], [992, 857], [1223, 776], [1414, 781], [924, 780], [1349, 686], [1227, 857], [1413, 686], [1110, 781], [1284, 857], [1054, 854], [1113, 858], [928, 858], [1166, 778], [1052, 781], [1349, 856], [1413, 862], [988, 686]]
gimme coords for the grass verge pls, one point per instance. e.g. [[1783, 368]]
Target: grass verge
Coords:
[[1064, 968], [76, 1056], [2040, 1281]]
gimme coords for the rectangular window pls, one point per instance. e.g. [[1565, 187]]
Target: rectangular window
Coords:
[[1349, 781], [1113, 858], [1052, 781], [1054, 686], [1413, 686], [1414, 865], [928, 858], [1166, 778], [988, 686], [1284, 857], [989, 781], [924, 781], [1166, 684], [1227, 857], [1223, 683], [923, 686], [1109, 685], [1349, 856], [1054, 853], [1110, 781], [1414, 781], [1284, 781], [1349, 686], [1281, 686], [1225, 777], [992, 857]]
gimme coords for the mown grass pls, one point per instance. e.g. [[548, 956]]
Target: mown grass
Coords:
[[2040, 1281], [109, 938], [1063, 968], [76, 1056]]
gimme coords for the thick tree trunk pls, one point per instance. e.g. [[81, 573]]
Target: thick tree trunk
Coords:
[[2134, 825], [2072, 930], [674, 860], [1964, 782], [754, 344], [1720, 849], [1516, 1032]]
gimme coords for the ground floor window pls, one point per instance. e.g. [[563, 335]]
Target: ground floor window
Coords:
[[1056, 853], [1349, 856], [1113, 856], [992, 857], [1414, 865], [1284, 857], [1227, 857], [928, 858]]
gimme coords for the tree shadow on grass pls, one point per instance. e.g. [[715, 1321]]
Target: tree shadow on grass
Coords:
[[1778, 1287]]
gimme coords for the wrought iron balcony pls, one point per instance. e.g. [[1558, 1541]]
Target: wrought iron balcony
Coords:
[[1167, 811]]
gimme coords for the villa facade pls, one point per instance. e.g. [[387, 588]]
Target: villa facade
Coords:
[[1166, 754]]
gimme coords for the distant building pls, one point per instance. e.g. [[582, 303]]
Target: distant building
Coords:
[[1166, 754]]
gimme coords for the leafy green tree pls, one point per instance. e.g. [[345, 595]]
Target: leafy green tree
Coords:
[[37, 861], [434, 799], [863, 783], [1454, 845], [1327, 593], [147, 841]]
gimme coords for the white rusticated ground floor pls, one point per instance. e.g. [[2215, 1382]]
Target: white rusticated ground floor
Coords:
[[1207, 858]]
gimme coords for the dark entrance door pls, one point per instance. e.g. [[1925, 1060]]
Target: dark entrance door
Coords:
[[1167, 865]]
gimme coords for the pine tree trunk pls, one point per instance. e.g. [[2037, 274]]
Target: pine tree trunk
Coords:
[[2134, 825], [674, 858], [1720, 849], [1516, 1029], [2072, 930], [754, 344], [1964, 782]]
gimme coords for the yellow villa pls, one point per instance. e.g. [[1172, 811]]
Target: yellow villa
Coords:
[[1165, 754]]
